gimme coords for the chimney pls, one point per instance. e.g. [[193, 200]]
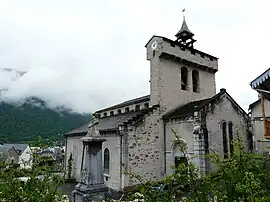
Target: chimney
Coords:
[[223, 90]]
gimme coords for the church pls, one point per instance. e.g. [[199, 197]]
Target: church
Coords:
[[183, 102]]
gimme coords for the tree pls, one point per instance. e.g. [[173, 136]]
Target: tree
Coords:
[[37, 184]]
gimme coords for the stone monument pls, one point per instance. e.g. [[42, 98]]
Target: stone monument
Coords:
[[91, 186]]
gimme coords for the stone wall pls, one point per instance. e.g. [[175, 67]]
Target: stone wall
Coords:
[[220, 111], [74, 146], [165, 76], [113, 178], [184, 130], [145, 151], [131, 108], [165, 45]]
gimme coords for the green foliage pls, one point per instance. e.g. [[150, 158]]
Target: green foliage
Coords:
[[244, 176], [24, 122], [38, 183]]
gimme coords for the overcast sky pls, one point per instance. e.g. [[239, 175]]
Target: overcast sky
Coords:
[[90, 54]]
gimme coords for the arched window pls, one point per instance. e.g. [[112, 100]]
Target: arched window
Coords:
[[127, 109], [179, 151], [119, 111], [184, 78], [195, 81], [137, 107], [146, 105], [106, 161], [105, 114], [230, 126], [111, 113], [225, 140]]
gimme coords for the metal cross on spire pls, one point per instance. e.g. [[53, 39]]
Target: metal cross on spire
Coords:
[[183, 11]]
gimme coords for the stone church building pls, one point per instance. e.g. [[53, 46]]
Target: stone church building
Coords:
[[139, 133]]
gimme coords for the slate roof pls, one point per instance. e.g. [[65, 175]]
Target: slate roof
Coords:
[[126, 103], [112, 122], [82, 130], [252, 105], [188, 109], [104, 124], [184, 28], [18, 147], [4, 150], [260, 79]]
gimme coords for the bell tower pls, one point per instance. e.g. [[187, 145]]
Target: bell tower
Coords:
[[184, 36], [179, 73]]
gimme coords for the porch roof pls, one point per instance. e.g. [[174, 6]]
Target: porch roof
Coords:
[[262, 81]]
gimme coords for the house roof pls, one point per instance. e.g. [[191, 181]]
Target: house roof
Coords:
[[188, 109], [145, 98], [18, 147], [252, 105], [4, 150], [82, 130], [262, 79]]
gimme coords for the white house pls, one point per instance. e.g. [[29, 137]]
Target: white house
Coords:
[[25, 154]]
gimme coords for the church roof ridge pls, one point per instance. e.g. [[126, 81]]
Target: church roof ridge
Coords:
[[126, 103], [189, 108], [83, 129]]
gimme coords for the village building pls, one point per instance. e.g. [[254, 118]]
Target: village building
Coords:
[[141, 133], [8, 155], [24, 154], [260, 113]]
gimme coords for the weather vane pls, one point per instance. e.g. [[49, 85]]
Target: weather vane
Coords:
[[183, 11]]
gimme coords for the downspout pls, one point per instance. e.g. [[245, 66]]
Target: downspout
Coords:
[[126, 148], [121, 158], [164, 146]]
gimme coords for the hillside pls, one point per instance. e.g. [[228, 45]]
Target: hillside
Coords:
[[26, 121]]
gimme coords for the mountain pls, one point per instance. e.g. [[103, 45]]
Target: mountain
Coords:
[[25, 121]]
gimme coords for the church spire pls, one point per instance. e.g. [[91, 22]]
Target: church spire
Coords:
[[184, 35]]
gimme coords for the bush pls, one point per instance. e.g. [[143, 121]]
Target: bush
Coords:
[[37, 184]]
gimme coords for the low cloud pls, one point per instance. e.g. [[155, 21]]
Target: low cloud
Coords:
[[87, 55]]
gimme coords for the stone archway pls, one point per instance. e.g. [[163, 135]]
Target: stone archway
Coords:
[[179, 151]]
